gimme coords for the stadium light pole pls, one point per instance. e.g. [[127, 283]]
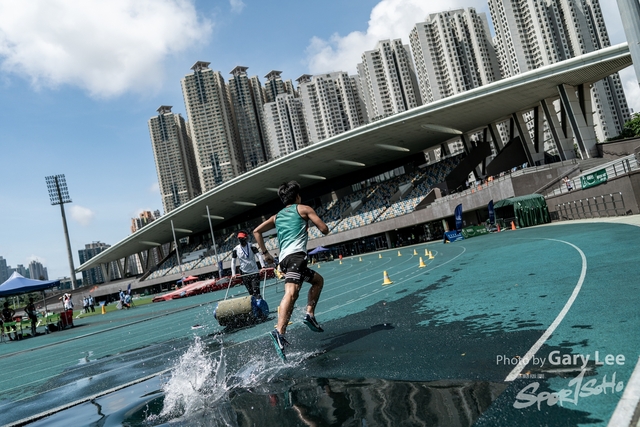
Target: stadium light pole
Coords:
[[59, 195]]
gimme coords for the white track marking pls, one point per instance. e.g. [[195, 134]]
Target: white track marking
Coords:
[[623, 414], [533, 350]]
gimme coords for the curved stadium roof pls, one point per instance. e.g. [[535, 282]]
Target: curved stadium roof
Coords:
[[385, 141]]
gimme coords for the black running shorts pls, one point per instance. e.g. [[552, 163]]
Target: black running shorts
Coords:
[[295, 269]]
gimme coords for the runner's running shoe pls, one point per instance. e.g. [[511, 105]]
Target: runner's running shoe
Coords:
[[279, 342], [311, 322]]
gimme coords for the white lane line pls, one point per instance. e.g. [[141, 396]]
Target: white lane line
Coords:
[[533, 350], [623, 415]]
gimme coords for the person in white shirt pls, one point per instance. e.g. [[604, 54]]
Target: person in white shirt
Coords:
[[246, 255]]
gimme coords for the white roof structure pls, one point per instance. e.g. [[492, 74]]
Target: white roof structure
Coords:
[[378, 143]]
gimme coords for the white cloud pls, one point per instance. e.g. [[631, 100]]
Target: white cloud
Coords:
[[236, 5], [82, 215], [103, 47], [389, 19]]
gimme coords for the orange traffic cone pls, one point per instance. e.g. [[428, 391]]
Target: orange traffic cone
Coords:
[[104, 309], [399, 254], [340, 262], [415, 252], [380, 256], [513, 225], [426, 252], [431, 255], [422, 264], [360, 259], [498, 228], [386, 281]]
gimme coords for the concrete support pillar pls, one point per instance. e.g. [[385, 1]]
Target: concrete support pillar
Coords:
[[142, 261], [444, 150], [105, 267], [495, 137], [387, 236], [466, 144], [538, 131], [563, 144], [577, 117], [630, 14], [120, 267], [468, 147], [521, 125]]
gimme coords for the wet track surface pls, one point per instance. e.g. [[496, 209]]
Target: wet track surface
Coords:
[[441, 345]]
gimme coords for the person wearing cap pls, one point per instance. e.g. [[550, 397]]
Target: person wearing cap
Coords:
[[292, 224], [245, 255]]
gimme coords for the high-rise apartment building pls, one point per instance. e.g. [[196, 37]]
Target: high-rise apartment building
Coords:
[[332, 104], [145, 218], [453, 53], [246, 101], [388, 80], [3, 270], [174, 157], [275, 86], [534, 33], [218, 153], [37, 271], [285, 125], [95, 276]]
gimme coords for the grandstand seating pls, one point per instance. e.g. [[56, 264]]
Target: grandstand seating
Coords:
[[375, 207]]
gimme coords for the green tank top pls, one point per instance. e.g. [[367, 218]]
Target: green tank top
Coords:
[[292, 231]]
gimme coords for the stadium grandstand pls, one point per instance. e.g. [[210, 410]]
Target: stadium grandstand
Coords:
[[397, 181]]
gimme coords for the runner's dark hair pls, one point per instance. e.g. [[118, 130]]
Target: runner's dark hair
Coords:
[[288, 192]]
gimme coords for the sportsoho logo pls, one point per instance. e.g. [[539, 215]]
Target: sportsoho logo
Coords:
[[577, 388]]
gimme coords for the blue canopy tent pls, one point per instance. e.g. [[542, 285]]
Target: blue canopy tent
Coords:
[[18, 284], [321, 253], [318, 250]]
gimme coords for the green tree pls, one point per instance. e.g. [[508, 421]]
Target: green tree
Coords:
[[631, 128]]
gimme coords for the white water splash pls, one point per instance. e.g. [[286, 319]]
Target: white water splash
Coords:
[[196, 381], [200, 386]]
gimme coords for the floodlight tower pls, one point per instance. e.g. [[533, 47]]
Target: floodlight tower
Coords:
[[59, 195]]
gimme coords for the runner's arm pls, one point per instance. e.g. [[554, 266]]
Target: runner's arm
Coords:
[[269, 224], [307, 212]]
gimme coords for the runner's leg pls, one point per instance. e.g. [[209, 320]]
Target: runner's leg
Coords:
[[317, 282], [291, 292]]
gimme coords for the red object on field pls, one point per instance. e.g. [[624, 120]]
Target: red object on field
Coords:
[[66, 318], [205, 286]]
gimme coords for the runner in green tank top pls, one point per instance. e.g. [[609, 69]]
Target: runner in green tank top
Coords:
[[291, 224]]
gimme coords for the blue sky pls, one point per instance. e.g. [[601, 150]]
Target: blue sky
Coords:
[[80, 79]]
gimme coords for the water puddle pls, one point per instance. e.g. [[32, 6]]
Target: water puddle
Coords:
[[200, 391]]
